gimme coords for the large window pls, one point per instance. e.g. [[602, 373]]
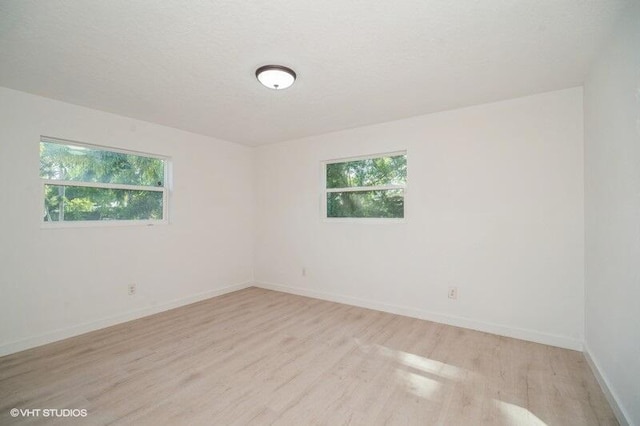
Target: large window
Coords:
[[366, 187], [84, 183]]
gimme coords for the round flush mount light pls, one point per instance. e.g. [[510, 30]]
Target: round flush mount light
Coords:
[[275, 77]]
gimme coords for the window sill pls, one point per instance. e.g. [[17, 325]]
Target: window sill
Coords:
[[365, 220], [102, 224]]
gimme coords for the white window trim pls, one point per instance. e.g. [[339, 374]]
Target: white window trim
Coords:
[[362, 220], [165, 189], [62, 141]]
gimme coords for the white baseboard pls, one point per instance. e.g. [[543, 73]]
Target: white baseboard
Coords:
[[613, 400], [54, 336], [487, 327]]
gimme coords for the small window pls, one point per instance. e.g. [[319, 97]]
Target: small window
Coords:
[[84, 183], [366, 187]]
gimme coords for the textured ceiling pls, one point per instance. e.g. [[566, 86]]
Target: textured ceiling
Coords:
[[190, 63]]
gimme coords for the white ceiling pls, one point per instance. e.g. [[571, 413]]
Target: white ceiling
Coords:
[[190, 63]]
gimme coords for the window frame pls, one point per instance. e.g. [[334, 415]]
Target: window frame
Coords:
[[324, 191], [165, 188]]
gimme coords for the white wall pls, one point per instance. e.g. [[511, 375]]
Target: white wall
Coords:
[[494, 206], [57, 283], [612, 212]]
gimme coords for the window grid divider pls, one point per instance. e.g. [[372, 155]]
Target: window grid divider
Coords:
[[102, 185], [366, 188]]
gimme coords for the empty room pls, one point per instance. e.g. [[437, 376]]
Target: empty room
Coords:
[[293, 212]]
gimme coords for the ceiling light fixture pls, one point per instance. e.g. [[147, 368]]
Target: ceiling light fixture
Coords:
[[275, 77]]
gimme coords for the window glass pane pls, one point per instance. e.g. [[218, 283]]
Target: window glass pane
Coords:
[[76, 163], [389, 170], [73, 203], [381, 203]]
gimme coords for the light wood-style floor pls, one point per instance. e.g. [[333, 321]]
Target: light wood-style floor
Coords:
[[262, 357]]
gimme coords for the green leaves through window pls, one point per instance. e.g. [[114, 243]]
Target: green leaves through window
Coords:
[[372, 187], [86, 183]]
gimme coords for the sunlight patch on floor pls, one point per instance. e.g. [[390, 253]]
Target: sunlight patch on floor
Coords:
[[430, 366], [517, 415], [418, 385], [428, 376], [437, 375], [427, 365]]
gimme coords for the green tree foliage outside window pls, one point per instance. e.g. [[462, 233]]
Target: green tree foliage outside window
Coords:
[[367, 188], [110, 185]]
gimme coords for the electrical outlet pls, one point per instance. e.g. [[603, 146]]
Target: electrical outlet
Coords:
[[453, 292], [304, 271], [132, 289]]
